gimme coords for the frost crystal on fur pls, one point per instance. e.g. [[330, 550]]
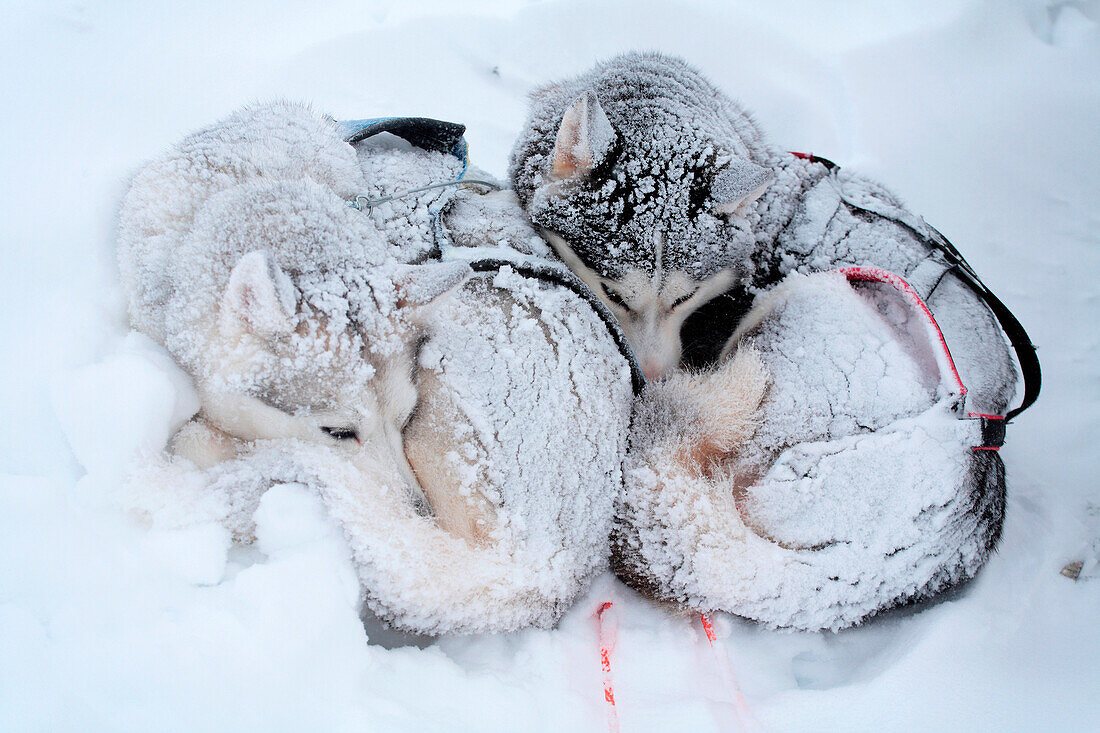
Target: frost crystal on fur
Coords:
[[475, 495], [673, 131]]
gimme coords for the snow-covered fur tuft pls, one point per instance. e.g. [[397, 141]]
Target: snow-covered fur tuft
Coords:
[[473, 496], [857, 491]]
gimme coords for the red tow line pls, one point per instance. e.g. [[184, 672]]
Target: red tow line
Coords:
[[742, 714], [608, 621]]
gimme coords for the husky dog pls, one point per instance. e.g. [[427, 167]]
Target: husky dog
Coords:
[[662, 195], [816, 491], [285, 305], [437, 447]]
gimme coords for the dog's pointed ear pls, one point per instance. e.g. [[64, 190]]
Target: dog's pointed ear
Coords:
[[260, 298], [584, 138], [421, 285], [738, 184]]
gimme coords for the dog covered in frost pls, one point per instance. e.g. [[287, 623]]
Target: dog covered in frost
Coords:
[[330, 351], [663, 196]]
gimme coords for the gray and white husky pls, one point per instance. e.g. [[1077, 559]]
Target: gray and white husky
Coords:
[[641, 176], [661, 193]]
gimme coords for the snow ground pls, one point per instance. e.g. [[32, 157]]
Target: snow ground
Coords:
[[980, 114]]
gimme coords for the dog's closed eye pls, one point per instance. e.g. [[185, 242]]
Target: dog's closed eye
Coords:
[[682, 299], [614, 297], [341, 433]]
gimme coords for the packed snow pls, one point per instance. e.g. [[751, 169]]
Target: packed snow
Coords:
[[981, 115]]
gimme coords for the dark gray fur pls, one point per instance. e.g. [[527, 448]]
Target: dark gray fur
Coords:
[[675, 131]]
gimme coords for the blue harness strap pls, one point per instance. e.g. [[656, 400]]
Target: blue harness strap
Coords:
[[423, 132]]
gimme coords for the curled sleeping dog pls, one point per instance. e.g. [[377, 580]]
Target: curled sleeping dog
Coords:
[[818, 476], [331, 348], [662, 195]]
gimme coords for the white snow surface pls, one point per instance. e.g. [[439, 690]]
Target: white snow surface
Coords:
[[980, 114]]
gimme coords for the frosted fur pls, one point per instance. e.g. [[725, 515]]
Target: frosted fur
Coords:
[[655, 204], [986, 110], [825, 233], [838, 367], [166, 195], [856, 492], [257, 204], [540, 438], [295, 314], [673, 130], [390, 165]]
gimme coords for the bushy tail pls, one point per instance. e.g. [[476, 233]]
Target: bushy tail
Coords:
[[422, 578], [682, 537]]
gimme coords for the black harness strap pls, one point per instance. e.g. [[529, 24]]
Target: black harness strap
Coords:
[[993, 432], [423, 132], [447, 137], [1021, 343]]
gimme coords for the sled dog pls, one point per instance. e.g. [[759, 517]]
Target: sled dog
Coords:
[[287, 307], [421, 402], [661, 193], [641, 175]]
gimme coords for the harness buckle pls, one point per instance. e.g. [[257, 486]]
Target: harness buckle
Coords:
[[992, 429]]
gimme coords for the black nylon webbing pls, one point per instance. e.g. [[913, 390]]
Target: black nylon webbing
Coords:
[[423, 132], [1021, 343]]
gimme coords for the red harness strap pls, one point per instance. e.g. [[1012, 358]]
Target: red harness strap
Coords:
[[992, 426], [815, 159], [1021, 343], [943, 356]]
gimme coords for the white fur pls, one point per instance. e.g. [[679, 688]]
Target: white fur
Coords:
[[651, 307]]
